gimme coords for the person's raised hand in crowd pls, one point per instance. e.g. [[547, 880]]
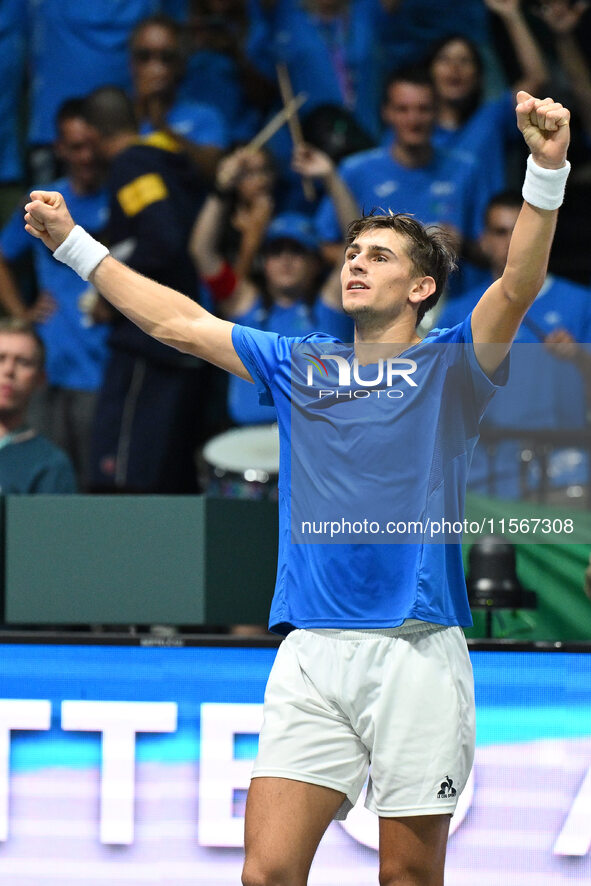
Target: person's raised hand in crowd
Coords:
[[311, 162], [230, 169], [561, 16], [504, 8], [255, 203]]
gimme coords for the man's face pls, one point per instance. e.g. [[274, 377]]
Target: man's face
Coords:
[[20, 373], [497, 235], [377, 276], [77, 147], [155, 61], [409, 110], [289, 267]]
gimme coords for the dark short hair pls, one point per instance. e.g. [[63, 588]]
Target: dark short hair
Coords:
[[110, 110], [71, 109], [510, 199], [157, 20], [417, 75], [18, 326], [429, 248]]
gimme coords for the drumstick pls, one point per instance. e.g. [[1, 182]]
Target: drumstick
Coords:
[[276, 122], [293, 122]]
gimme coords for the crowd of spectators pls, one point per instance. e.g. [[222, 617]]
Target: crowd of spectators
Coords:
[[143, 114]]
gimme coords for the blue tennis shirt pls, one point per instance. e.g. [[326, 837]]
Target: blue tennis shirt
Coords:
[[357, 445]]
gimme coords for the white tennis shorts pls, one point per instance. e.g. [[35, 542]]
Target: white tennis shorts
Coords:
[[399, 705]]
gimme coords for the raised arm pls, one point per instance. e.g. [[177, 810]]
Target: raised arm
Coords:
[[534, 72], [166, 315], [204, 245], [498, 314], [311, 162]]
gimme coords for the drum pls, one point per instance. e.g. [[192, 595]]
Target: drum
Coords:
[[243, 463]]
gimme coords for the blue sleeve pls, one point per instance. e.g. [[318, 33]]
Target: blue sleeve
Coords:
[[481, 386], [262, 354], [267, 356], [14, 240]]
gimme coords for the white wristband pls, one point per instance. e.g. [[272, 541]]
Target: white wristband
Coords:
[[81, 252], [544, 188]]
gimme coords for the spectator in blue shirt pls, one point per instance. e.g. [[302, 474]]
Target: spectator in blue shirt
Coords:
[[411, 174], [231, 224], [75, 47], [156, 64], [408, 26], [288, 303], [481, 130], [287, 296], [230, 64], [331, 49], [76, 344], [28, 462], [550, 368]]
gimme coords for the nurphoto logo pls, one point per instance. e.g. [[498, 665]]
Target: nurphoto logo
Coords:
[[387, 372], [394, 367]]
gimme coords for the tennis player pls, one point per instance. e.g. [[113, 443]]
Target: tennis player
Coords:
[[374, 668]]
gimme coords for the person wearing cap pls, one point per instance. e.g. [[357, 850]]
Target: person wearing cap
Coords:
[[288, 302], [290, 294], [197, 128], [231, 224]]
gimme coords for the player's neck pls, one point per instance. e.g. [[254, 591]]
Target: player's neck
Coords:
[[373, 331]]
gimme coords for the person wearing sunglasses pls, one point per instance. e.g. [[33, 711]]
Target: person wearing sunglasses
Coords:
[[157, 68]]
